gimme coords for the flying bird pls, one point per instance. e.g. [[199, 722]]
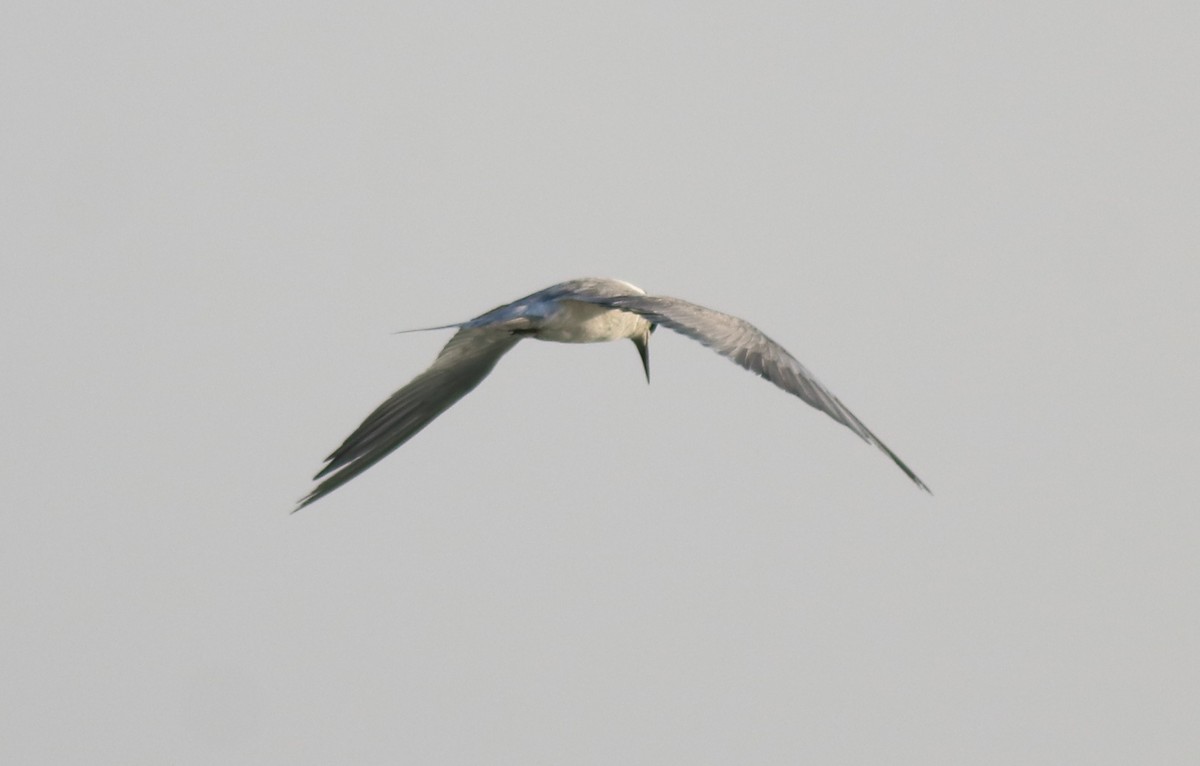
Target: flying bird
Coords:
[[579, 311]]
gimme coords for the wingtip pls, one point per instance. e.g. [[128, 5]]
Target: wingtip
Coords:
[[915, 479], [900, 463], [307, 500]]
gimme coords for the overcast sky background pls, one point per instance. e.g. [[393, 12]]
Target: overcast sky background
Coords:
[[978, 223]]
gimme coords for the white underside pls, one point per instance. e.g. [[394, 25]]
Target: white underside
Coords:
[[577, 322]]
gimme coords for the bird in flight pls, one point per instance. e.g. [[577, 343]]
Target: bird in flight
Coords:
[[579, 311]]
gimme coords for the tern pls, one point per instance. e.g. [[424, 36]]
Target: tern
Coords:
[[588, 310]]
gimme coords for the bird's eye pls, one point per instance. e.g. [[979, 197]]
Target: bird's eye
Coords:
[[653, 327]]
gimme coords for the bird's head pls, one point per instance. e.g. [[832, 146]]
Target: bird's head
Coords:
[[642, 341]]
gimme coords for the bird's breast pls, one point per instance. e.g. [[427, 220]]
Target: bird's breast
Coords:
[[578, 322]]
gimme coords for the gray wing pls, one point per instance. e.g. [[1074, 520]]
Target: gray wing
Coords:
[[462, 364], [748, 346]]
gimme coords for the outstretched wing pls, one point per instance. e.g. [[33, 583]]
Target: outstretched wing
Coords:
[[746, 345], [462, 364]]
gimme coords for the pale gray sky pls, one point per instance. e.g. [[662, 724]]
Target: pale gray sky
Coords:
[[977, 223]]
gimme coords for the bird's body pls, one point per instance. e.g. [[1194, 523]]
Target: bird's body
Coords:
[[587, 310], [575, 322], [567, 313]]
